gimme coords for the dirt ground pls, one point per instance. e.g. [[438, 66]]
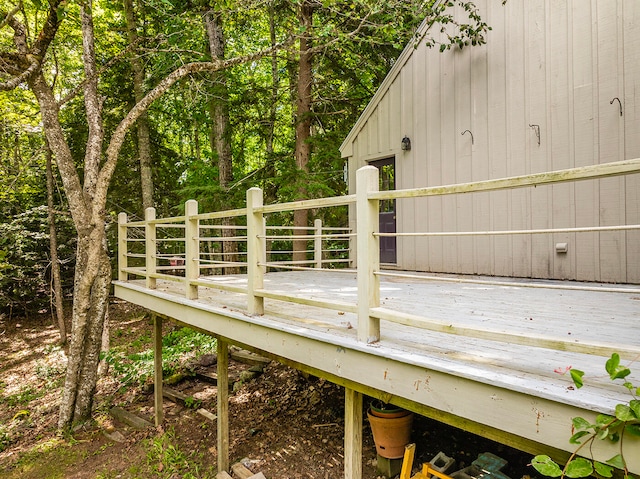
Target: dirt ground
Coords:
[[282, 423]]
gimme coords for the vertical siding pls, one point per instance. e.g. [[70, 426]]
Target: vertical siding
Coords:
[[502, 251], [585, 135], [556, 64], [631, 45], [519, 201], [434, 110]]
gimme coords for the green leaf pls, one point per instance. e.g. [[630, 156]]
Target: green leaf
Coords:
[[633, 429], [576, 376], [579, 467], [612, 363], [603, 469], [624, 413], [580, 423], [617, 461], [603, 434], [634, 404], [614, 369], [604, 420], [578, 435], [545, 466]]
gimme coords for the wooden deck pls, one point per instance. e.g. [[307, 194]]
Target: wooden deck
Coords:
[[483, 354], [507, 390]]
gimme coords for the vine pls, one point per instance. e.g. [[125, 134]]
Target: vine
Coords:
[[606, 428]]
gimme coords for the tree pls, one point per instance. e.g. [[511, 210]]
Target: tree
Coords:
[[142, 125], [25, 58]]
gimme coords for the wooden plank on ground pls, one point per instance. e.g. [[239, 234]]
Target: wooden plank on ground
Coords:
[[208, 414], [248, 357], [175, 396], [223, 475], [212, 378], [241, 471], [129, 418], [260, 475]]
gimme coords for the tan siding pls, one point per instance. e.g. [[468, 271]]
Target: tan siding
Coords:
[[519, 205], [502, 251], [631, 103], [550, 63], [420, 246], [433, 161], [448, 137], [585, 136], [611, 190]]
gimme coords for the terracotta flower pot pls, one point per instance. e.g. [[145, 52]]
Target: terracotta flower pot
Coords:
[[391, 431]]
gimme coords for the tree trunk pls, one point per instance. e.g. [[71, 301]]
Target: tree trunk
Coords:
[[90, 302], [303, 123], [53, 246], [142, 125], [269, 187], [220, 131]]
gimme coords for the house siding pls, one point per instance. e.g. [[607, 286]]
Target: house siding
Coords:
[[553, 64]]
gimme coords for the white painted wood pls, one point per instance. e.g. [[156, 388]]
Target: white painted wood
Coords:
[[352, 434], [191, 248], [368, 255], [499, 380], [222, 396], [122, 247], [255, 250], [150, 246], [317, 243]]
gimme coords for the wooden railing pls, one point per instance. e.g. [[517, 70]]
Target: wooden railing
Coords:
[[173, 250]]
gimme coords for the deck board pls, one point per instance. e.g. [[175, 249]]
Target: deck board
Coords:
[[410, 362]]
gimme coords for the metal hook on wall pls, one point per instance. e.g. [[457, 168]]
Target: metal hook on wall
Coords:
[[536, 128], [468, 131], [619, 103]]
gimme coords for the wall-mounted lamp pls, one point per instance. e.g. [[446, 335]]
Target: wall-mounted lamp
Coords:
[[406, 144]]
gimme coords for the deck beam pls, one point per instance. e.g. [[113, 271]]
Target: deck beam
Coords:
[[516, 414], [352, 434], [223, 405]]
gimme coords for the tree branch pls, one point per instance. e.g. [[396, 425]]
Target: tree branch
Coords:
[[117, 139]]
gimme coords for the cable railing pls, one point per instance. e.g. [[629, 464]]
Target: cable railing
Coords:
[[198, 255]]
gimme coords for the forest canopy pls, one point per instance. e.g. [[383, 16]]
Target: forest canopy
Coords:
[[120, 106]]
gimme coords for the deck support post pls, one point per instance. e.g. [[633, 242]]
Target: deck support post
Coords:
[[317, 242], [352, 434], [150, 246], [157, 369], [122, 247], [368, 253], [223, 405], [191, 248], [255, 251]]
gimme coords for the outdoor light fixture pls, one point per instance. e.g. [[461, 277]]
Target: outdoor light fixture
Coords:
[[406, 144]]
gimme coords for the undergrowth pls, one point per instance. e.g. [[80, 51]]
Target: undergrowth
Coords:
[[178, 346]]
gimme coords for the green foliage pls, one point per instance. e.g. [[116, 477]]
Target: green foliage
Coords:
[[5, 439], [165, 458], [178, 347], [606, 428], [24, 396], [24, 260]]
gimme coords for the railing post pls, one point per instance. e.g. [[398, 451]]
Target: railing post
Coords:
[[191, 248], [150, 246], [255, 251], [317, 242], [368, 253], [122, 247]]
